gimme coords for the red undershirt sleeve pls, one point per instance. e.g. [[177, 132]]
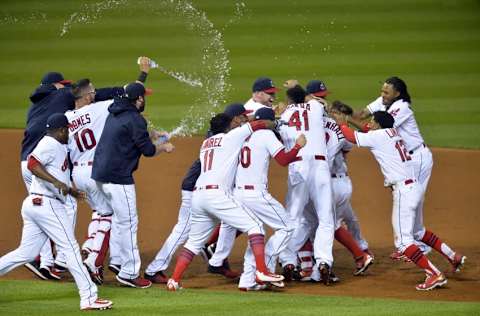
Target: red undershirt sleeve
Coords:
[[284, 158], [348, 133], [32, 162], [256, 125]]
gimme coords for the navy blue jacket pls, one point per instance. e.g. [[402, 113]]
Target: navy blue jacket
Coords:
[[124, 139], [47, 100]]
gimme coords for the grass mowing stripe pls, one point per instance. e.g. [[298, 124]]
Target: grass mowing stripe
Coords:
[[49, 298]]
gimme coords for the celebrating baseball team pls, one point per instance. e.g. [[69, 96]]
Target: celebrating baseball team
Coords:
[[84, 143]]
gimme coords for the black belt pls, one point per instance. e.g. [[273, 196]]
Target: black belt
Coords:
[[414, 149], [48, 196]]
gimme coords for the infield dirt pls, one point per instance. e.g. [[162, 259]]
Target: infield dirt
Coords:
[[451, 211]]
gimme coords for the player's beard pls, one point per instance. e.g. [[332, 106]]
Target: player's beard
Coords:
[[141, 108]]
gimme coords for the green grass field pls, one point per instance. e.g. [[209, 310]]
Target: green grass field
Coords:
[[47, 298], [352, 45]]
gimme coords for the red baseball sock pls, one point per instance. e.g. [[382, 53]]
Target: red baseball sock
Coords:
[[103, 250], [183, 261], [436, 243], [214, 236], [416, 255], [344, 237], [257, 243], [305, 255]]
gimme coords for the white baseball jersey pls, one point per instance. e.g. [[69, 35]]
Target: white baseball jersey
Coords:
[[53, 156], [255, 158], [219, 157], [334, 139], [405, 122], [253, 106], [389, 150], [86, 129], [306, 118]]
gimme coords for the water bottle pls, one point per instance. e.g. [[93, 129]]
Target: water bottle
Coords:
[[153, 64]]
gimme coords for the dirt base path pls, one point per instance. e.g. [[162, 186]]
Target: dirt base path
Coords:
[[451, 210]]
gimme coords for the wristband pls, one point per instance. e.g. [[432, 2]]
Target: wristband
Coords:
[[142, 77]]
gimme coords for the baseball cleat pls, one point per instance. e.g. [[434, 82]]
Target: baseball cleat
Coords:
[[99, 304], [370, 253], [302, 275], [432, 281], [288, 272], [397, 256], [362, 264], [261, 277], [95, 274], [458, 262], [324, 270], [139, 283], [59, 269], [256, 287], [34, 266], [49, 273], [279, 284], [157, 278], [115, 268], [224, 270], [173, 285]]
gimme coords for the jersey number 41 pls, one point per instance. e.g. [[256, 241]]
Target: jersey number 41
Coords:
[[297, 122]]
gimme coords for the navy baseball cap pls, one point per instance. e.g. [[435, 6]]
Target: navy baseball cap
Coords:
[[317, 88], [134, 90], [236, 109], [57, 120], [264, 84], [265, 114], [54, 77]]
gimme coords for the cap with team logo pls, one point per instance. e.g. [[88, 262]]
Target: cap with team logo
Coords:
[[57, 120], [264, 84], [134, 90], [236, 109], [54, 77], [317, 88], [265, 114]]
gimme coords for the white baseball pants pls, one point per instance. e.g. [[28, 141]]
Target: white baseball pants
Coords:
[[316, 188], [50, 221], [177, 237], [122, 200], [214, 205], [274, 215]]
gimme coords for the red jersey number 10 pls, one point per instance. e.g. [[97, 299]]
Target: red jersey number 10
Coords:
[[85, 139], [295, 120]]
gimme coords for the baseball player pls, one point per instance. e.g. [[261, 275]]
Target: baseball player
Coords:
[[308, 179], [44, 215], [212, 199], [54, 95], [389, 150], [124, 139], [397, 101], [263, 95], [87, 121], [155, 271], [251, 183]]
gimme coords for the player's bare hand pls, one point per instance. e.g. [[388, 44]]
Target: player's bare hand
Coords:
[[62, 187], [77, 193], [290, 83], [279, 108], [301, 140], [144, 63], [165, 147]]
